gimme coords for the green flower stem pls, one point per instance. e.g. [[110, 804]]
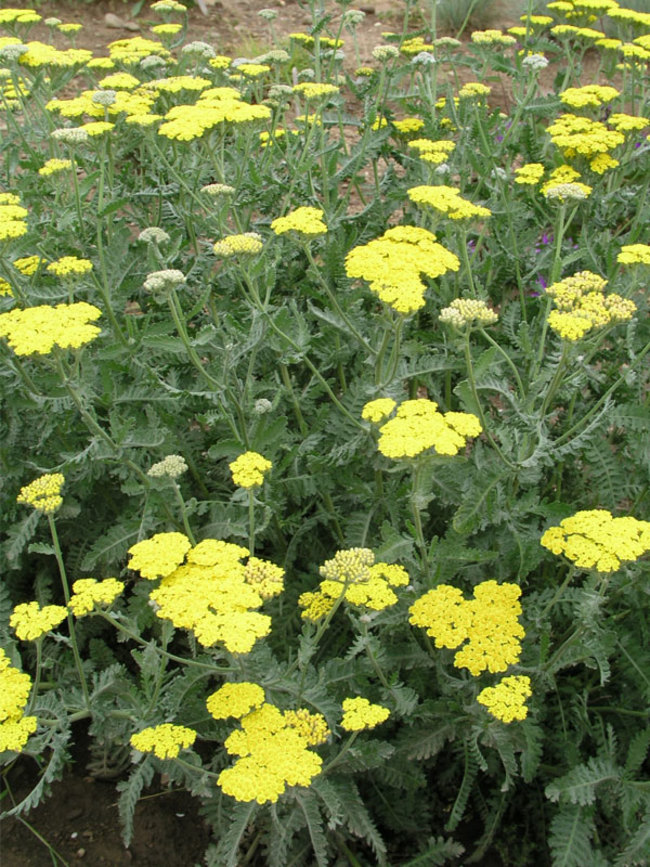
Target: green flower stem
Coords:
[[394, 353], [66, 595], [183, 660], [286, 381], [251, 521], [181, 504], [77, 194], [508, 360], [338, 758], [472, 384], [417, 518], [37, 676], [334, 302], [559, 592], [102, 286], [195, 768], [373, 659], [585, 419], [464, 255], [179, 322], [555, 382]]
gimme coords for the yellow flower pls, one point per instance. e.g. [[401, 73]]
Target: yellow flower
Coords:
[[378, 410], [164, 741], [54, 166], [507, 700], [160, 555], [306, 221], [530, 173], [311, 726], [28, 265], [37, 330], [447, 200], [593, 539], [634, 254], [591, 95], [235, 699], [314, 89], [69, 266], [247, 244], [249, 469], [489, 623], [14, 734], [88, 592], [359, 714], [44, 493], [265, 577], [30, 621], [467, 311], [419, 426]]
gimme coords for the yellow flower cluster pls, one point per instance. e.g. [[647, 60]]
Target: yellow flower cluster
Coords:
[[28, 265], [627, 122], [40, 54], [473, 90], [359, 714], [166, 29], [507, 700], [95, 103], [130, 51], [582, 137], [593, 539], [44, 493], [88, 592], [12, 217], [414, 45], [408, 125], [15, 727], [19, 16], [314, 89], [311, 726], [273, 753], [30, 621], [529, 174], [354, 575], [447, 200], [37, 330], [392, 265], [634, 254], [488, 622], [5, 287], [249, 469], [589, 96], [70, 266], [463, 312], [247, 244], [378, 410], [430, 151], [492, 37], [582, 305], [164, 741], [212, 593], [54, 166], [235, 699], [305, 221], [418, 426], [215, 107]]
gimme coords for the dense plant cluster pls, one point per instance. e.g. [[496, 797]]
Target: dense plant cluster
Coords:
[[324, 437]]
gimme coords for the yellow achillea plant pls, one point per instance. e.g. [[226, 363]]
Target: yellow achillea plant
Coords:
[[418, 426], [489, 623], [15, 686], [88, 592], [212, 593], [249, 469], [634, 254], [37, 330], [305, 221], [353, 575], [164, 741], [392, 265], [582, 305], [30, 621], [273, 751], [359, 714], [44, 493], [507, 700], [594, 539], [235, 699], [447, 200]]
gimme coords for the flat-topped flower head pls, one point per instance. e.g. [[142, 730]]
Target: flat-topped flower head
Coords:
[[160, 555], [419, 426], [44, 493], [359, 714], [171, 467], [507, 700], [593, 539], [304, 221], [164, 741], [30, 621], [249, 469], [37, 330], [70, 266], [378, 410], [235, 700], [447, 200], [87, 593], [634, 254], [246, 244], [489, 623], [465, 312]]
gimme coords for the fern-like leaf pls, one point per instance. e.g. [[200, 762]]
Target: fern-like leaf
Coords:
[[579, 785], [570, 837], [131, 790], [438, 852]]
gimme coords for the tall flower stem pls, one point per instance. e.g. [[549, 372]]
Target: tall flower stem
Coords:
[[66, 595]]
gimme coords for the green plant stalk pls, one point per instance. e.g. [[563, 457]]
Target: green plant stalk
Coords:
[[417, 518], [559, 592], [38, 674], [555, 382], [339, 757], [508, 360], [71, 625], [464, 255], [183, 510], [251, 521], [472, 384]]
